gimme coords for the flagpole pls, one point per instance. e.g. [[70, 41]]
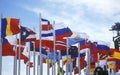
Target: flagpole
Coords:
[[59, 63], [19, 55], [71, 65], [98, 59], [28, 48], [79, 70], [40, 38], [62, 66], [34, 58], [54, 48], [67, 58], [88, 61], [26, 69], [38, 65], [52, 68], [15, 59], [27, 66], [48, 64], [0, 46]]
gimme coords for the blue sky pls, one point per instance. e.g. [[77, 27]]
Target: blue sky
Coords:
[[93, 17]]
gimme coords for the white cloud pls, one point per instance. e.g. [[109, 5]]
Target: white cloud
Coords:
[[90, 16]]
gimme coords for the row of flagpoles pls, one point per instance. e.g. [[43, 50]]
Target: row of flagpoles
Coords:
[[67, 41]]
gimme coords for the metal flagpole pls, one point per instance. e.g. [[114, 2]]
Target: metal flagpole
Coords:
[[52, 68], [59, 63], [0, 46], [88, 61], [15, 59], [34, 58], [71, 65], [27, 67], [98, 59], [48, 64], [67, 58], [38, 65], [29, 58], [40, 38], [79, 70], [62, 66], [19, 54], [54, 48]]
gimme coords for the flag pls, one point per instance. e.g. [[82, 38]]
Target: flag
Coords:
[[37, 48], [93, 58], [76, 70], [62, 31], [49, 44], [115, 56], [82, 63], [102, 56], [23, 54], [45, 20], [72, 41], [60, 70], [92, 67], [73, 52], [7, 48], [57, 57], [117, 66], [27, 34], [47, 30], [9, 26], [100, 48], [48, 61], [87, 44], [111, 66]]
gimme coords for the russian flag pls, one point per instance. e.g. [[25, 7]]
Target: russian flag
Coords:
[[62, 31]]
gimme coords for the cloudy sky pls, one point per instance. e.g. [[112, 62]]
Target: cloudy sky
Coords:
[[93, 17]]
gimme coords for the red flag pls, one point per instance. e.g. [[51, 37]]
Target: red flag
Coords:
[[10, 26], [7, 49]]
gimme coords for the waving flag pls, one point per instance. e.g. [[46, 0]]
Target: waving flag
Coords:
[[115, 56], [9, 26], [7, 48], [47, 30], [87, 44], [49, 44], [37, 48], [100, 48], [27, 34], [62, 31], [72, 41]]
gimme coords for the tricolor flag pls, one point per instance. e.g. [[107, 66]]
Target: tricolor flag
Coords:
[[9, 26], [62, 31], [101, 48]]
